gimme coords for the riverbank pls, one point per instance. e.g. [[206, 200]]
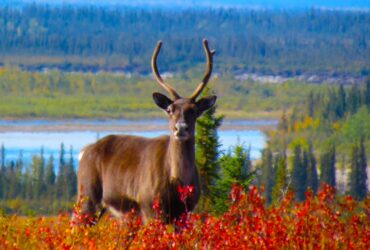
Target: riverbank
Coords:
[[118, 125]]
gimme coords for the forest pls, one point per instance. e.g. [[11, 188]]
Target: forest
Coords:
[[283, 42], [327, 141]]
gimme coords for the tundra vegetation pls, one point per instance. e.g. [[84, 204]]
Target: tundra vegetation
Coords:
[[282, 200]]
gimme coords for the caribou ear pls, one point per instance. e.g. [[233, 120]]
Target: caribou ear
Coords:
[[205, 103], [161, 100]]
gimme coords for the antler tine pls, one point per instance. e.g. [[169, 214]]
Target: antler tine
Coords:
[[207, 73], [158, 77]]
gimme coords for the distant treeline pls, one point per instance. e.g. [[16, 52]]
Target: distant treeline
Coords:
[[339, 116], [26, 188], [301, 170], [325, 142], [270, 41]]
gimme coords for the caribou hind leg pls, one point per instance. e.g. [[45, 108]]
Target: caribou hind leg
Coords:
[[89, 209], [89, 199]]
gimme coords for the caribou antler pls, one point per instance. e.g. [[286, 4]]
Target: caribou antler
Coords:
[[207, 73], [158, 77]]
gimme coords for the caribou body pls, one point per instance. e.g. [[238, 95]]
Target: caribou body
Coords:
[[124, 172]]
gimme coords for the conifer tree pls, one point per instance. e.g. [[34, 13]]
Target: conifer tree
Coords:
[[354, 99], [71, 176], [283, 123], [28, 182], [207, 153], [312, 176], [327, 164], [61, 185], [299, 173], [311, 105], [41, 188], [341, 102], [62, 162], [50, 177], [37, 176], [367, 93], [2, 172], [363, 168], [2, 156], [1, 184], [268, 175], [358, 176], [19, 175], [11, 182], [235, 169], [281, 179]]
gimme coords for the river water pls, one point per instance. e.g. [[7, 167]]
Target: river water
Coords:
[[17, 136]]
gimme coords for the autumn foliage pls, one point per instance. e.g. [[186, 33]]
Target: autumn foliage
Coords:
[[320, 222]]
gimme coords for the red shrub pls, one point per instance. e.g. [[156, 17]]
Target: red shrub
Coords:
[[321, 222]]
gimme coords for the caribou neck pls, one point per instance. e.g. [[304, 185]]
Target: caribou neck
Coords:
[[181, 159]]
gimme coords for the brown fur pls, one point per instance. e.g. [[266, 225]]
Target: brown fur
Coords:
[[127, 172]]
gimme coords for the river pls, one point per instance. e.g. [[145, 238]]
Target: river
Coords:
[[28, 136]]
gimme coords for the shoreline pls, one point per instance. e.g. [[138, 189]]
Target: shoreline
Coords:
[[122, 125]]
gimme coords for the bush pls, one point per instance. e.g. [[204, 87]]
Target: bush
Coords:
[[319, 222]]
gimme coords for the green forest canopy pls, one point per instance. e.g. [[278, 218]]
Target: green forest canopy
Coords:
[[270, 41]]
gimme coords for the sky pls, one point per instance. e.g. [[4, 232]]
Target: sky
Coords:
[[346, 4]]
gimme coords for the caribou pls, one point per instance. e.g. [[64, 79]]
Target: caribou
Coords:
[[122, 173]]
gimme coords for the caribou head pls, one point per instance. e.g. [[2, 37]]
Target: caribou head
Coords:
[[183, 111]]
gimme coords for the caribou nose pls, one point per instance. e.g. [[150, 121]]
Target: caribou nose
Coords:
[[181, 126]]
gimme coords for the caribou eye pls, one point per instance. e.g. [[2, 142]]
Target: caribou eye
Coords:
[[170, 110]]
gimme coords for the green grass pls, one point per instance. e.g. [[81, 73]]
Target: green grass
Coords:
[[75, 95]]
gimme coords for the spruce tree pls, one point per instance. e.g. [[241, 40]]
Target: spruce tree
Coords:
[[2, 156], [1, 184], [62, 161], [268, 175], [312, 176], [358, 176], [71, 176], [327, 164], [367, 93], [41, 188], [283, 123], [207, 153], [310, 105], [281, 180], [28, 182], [12, 181], [50, 178], [299, 173], [36, 177], [61, 185], [341, 102], [19, 175], [2, 172], [235, 169], [354, 99], [363, 169]]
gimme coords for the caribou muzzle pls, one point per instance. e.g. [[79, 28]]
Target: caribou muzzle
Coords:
[[181, 131]]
